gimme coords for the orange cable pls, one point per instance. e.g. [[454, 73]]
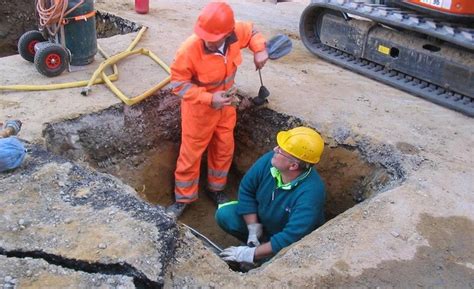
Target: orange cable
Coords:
[[52, 13]]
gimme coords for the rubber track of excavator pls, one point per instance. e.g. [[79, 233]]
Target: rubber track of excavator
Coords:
[[395, 17]]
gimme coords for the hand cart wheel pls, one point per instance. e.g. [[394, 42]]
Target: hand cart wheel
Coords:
[[26, 44], [51, 59]]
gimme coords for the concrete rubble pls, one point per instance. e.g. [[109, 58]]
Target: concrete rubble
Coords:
[[70, 216]]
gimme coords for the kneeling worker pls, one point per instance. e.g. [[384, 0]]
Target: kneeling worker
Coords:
[[281, 198]]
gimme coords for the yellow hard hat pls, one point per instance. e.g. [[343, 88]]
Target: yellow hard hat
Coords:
[[303, 143]]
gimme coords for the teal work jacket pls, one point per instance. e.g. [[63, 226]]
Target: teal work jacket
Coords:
[[287, 212]]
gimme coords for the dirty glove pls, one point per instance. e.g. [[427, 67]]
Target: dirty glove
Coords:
[[219, 100], [255, 232], [232, 94], [241, 254]]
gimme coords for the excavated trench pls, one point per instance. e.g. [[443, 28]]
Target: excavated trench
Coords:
[[140, 144]]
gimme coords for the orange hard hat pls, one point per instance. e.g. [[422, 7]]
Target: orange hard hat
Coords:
[[215, 21]]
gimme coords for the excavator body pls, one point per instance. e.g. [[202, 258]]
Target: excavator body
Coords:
[[456, 10]]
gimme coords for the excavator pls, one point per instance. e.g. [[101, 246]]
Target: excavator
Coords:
[[424, 47]]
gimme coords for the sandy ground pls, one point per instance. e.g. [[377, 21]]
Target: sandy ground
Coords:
[[417, 234]]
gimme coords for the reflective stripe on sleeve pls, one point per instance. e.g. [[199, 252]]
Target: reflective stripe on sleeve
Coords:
[[219, 83], [175, 84], [185, 89]]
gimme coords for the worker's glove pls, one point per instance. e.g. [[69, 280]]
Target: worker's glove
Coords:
[[255, 232], [14, 125], [241, 254], [232, 94], [219, 100]]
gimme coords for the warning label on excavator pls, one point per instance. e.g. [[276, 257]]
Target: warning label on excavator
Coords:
[[384, 49], [438, 3]]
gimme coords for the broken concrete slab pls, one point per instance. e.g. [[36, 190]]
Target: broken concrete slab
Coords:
[[68, 214], [37, 273]]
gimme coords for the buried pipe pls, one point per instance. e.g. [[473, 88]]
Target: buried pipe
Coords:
[[206, 240], [217, 250]]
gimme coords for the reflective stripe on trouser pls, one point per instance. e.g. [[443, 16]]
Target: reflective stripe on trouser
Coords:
[[229, 221], [203, 127], [219, 156], [188, 186]]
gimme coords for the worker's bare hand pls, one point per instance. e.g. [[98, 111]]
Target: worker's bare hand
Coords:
[[260, 58], [219, 100]]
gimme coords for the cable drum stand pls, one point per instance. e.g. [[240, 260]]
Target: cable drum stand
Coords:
[[66, 36]]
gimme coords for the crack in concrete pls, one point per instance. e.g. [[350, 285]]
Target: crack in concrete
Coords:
[[139, 279]]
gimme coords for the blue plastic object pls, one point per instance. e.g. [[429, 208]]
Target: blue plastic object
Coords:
[[12, 153]]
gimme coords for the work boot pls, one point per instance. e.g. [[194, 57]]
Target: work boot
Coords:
[[176, 209], [218, 197]]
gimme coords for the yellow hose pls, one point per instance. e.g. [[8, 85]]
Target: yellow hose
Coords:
[[99, 75], [99, 72], [41, 87], [114, 59], [137, 38], [85, 91]]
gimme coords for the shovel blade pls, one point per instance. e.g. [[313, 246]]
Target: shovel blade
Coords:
[[259, 101], [263, 92], [279, 46]]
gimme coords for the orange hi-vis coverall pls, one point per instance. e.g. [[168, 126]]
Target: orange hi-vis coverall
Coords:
[[196, 73]]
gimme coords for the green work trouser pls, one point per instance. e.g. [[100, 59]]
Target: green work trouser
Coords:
[[229, 221], [234, 224]]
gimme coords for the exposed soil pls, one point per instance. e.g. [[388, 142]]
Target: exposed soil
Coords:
[[16, 17], [152, 175], [143, 154]]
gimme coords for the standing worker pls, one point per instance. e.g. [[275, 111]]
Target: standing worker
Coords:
[[202, 72], [281, 198]]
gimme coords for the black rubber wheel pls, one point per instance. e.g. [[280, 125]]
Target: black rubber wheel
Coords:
[[26, 44], [51, 59]]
